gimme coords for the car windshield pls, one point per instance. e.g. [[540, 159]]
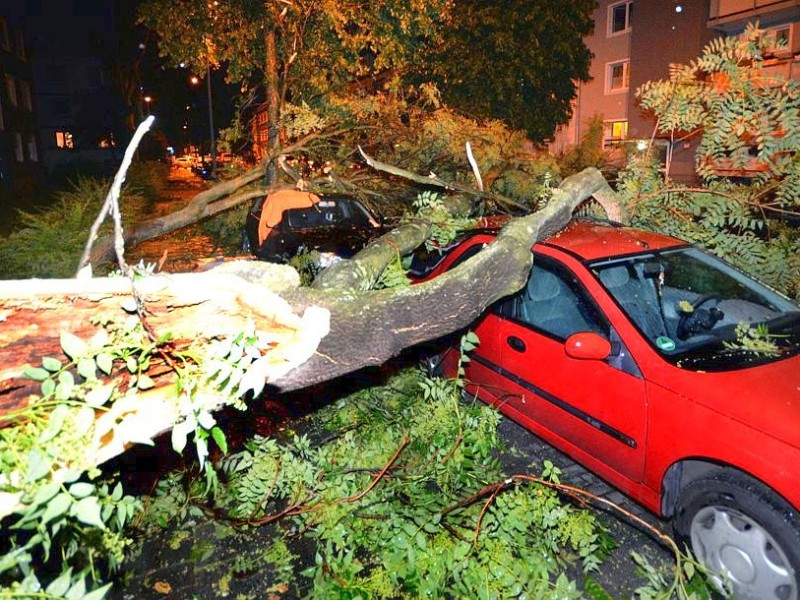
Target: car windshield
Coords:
[[701, 313]]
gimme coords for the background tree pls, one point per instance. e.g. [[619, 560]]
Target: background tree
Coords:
[[299, 50], [515, 61]]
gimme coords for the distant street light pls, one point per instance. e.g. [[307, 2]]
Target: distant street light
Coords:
[[195, 80], [147, 101]]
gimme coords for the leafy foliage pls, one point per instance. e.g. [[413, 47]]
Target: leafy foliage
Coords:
[[377, 500], [747, 119], [49, 241], [347, 39], [588, 153], [46, 470], [444, 227]]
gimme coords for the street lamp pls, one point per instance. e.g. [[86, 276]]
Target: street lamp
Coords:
[[147, 101], [195, 80]]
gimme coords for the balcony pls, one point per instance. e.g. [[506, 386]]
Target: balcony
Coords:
[[732, 15]]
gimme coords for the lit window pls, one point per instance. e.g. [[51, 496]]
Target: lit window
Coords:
[[33, 151], [25, 95], [107, 141], [619, 18], [11, 90], [18, 149], [5, 42], [618, 76], [64, 139], [614, 132]]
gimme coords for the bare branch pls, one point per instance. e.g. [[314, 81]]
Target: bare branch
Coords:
[[111, 203], [434, 180], [474, 166]]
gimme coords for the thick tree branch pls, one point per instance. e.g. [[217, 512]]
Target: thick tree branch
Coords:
[[369, 328], [205, 204], [435, 180]]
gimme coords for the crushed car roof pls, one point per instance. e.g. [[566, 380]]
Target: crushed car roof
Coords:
[[592, 239]]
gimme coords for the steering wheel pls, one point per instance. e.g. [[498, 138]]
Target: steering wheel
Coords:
[[696, 321]]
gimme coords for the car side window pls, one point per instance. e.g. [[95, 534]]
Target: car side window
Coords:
[[554, 303]]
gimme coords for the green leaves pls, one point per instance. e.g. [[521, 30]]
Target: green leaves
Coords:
[[749, 123], [73, 346]]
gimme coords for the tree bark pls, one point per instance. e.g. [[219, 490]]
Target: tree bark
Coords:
[[369, 328]]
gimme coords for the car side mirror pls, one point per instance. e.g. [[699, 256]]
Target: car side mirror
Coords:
[[587, 345]]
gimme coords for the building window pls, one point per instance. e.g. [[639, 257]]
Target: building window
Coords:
[[33, 150], [20, 45], [614, 132], [619, 18], [11, 90], [25, 95], [19, 153], [779, 38], [618, 76], [5, 41], [107, 140], [64, 139]]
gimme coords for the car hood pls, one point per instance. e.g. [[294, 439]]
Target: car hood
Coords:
[[765, 397]]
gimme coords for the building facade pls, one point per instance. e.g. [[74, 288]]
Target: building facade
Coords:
[[635, 41], [20, 166]]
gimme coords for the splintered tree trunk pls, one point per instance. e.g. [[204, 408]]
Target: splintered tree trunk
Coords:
[[366, 327]]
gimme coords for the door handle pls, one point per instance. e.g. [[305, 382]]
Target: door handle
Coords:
[[516, 343]]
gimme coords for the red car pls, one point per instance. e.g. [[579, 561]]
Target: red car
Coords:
[[627, 350]]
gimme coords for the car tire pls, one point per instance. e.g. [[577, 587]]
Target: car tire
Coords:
[[747, 537]]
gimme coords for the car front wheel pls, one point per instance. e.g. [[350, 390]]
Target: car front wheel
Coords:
[[747, 537]]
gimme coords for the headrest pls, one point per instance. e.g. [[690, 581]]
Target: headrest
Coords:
[[615, 277], [543, 286]]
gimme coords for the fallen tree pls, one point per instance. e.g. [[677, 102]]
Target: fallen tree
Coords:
[[91, 366], [366, 327], [274, 332]]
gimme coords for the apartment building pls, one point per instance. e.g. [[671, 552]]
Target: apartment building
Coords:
[[635, 41], [19, 145]]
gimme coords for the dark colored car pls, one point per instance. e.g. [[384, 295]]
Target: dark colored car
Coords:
[[289, 222], [629, 351]]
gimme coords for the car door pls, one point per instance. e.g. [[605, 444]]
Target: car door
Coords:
[[596, 408], [481, 380]]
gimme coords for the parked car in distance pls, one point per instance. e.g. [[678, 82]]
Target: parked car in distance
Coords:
[[635, 354], [184, 162], [288, 222]]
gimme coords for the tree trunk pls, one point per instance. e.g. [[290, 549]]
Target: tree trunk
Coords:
[[366, 327], [341, 329]]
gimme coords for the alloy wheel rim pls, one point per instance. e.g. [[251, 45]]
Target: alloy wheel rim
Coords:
[[741, 554]]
